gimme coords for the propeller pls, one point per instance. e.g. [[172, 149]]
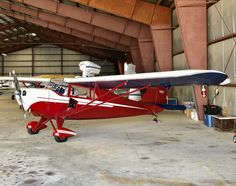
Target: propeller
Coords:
[[18, 91]]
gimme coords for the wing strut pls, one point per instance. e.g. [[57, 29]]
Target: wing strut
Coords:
[[84, 108]]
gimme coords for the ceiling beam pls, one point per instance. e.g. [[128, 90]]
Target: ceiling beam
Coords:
[[136, 10], [64, 30], [73, 42], [85, 28], [4, 27], [89, 16], [111, 39], [16, 48]]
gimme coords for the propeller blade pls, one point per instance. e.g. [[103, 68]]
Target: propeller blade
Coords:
[[18, 92]]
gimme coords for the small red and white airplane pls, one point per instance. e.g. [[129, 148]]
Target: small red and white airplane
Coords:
[[98, 98]]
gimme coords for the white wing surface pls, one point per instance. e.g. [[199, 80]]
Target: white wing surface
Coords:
[[168, 78]]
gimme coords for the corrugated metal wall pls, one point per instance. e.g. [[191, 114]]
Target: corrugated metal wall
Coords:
[[49, 59], [219, 49], [219, 52]]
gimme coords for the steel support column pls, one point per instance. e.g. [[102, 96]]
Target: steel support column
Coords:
[[2, 65], [147, 54], [33, 61], [136, 58], [62, 62], [121, 66], [146, 49], [162, 36], [193, 27]]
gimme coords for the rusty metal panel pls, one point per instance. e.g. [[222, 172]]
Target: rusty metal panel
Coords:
[[83, 27], [82, 35], [59, 28], [49, 5], [136, 59], [179, 62], [147, 55], [104, 42], [177, 41], [194, 35], [24, 10], [75, 12], [123, 8], [36, 21], [143, 12], [163, 48], [52, 18], [112, 23], [85, 2], [145, 32], [125, 40], [4, 5], [162, 17], [21, 17], [132, 29], [112, 36]]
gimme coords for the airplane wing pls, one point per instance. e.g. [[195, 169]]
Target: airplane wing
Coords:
[[25, 79], [168, 78]]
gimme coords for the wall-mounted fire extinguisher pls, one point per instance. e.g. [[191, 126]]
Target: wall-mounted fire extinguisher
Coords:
[[203, 91]]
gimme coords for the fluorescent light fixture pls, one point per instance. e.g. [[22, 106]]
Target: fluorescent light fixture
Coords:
[[4, 54]]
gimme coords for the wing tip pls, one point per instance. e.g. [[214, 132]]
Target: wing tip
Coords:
[[225, 82]]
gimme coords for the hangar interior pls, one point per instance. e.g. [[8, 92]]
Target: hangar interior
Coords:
[[53, 36], [147, 33]]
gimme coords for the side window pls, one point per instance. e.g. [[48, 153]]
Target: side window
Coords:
[[79, 91]]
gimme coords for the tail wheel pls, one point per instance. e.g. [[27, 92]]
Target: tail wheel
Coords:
[[60, 139], [30, 131], [234, 138]]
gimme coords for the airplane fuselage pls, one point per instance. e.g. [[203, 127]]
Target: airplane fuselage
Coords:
[[47, 103]]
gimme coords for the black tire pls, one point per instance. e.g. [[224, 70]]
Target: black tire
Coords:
[[60, 140], [30, 131], [234, 139]]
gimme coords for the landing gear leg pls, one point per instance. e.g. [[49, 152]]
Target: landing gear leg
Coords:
[[156, 118], [60, 133], [34, 127]]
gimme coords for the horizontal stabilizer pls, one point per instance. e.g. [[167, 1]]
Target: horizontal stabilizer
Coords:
[[172, 107]]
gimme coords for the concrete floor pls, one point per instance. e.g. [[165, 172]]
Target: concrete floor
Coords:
[[128, 151]]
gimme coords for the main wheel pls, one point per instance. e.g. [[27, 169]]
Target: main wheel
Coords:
[[30, 131], [234, 138], [59, 140]]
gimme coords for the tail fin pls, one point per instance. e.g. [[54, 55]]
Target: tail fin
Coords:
[[155, 95]]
